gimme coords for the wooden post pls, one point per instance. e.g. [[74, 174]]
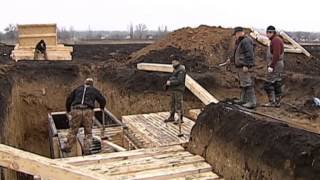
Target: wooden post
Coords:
[[45, 168], [191, 84]]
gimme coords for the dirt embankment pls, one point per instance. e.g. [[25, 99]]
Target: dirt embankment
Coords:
[[240, 146]]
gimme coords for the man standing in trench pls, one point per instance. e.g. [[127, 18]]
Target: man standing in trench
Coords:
[[80, 104], [244, 61], [176, 84], [275, 54]]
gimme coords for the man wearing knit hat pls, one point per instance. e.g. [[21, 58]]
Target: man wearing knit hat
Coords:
[[275, 54]]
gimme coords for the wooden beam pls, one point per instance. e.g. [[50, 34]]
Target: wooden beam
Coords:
[[260, 38], [83, 160], [52, 126], [200, 176], [114, 146], [169, 172], [149, 163], [191, 84], [37, 35], [294, 43], [155, 67], [46, 168], [298, 51]]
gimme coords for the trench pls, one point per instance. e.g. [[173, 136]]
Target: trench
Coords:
[[39, 88]]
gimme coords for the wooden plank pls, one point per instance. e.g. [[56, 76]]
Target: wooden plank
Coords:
[[298, 51], [37, 35], [145, 164], [55, 147], [191, 84], [52, 126], [83, 160], [200, 176], [260, 38], [114, 146], [155, 67], [166, 173], [294, 43], [33, 164]]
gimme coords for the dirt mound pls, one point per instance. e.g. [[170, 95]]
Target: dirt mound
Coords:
[[204, 42], [240, 146]]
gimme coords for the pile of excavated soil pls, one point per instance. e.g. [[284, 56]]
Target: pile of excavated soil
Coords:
[[203, 45], [241, 146]]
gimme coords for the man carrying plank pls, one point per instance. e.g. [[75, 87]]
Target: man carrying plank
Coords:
[[176, 84]]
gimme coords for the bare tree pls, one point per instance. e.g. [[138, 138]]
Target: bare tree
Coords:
[[131, 31], [162, 31], [141, 31], [11, 32]]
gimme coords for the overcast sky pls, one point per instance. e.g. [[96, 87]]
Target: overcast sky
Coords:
[[118, 14]]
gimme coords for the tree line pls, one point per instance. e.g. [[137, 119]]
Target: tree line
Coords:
[[133, 32]]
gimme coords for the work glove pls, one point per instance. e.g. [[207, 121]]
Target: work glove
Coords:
[[168, 83], [245, 69], [270, 69], [69, 116]]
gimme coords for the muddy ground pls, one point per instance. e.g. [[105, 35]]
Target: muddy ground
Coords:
[[31, 89]]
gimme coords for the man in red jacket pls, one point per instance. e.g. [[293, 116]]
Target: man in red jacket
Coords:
[[275, 54]]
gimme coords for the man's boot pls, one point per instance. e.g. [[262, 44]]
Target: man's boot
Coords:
[[180, 115], [278, 101], [251, 98], [272, 100], [170, 119], [242, 99]]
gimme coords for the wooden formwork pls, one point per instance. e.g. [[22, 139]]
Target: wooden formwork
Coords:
[[151, 130], [28, 37], [59, 128], [170, 162]]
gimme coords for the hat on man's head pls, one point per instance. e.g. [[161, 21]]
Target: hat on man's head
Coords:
[[88, 81], [271, 29], [237, 29]]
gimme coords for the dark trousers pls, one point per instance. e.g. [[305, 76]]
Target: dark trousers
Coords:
[[177, 102]]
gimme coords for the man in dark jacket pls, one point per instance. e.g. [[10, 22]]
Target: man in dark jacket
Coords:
[[176, 84], [80, 104], [41, 48], [244, 61], [275, 54]]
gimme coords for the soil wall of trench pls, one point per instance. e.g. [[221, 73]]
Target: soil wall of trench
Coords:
[[241, 146]]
